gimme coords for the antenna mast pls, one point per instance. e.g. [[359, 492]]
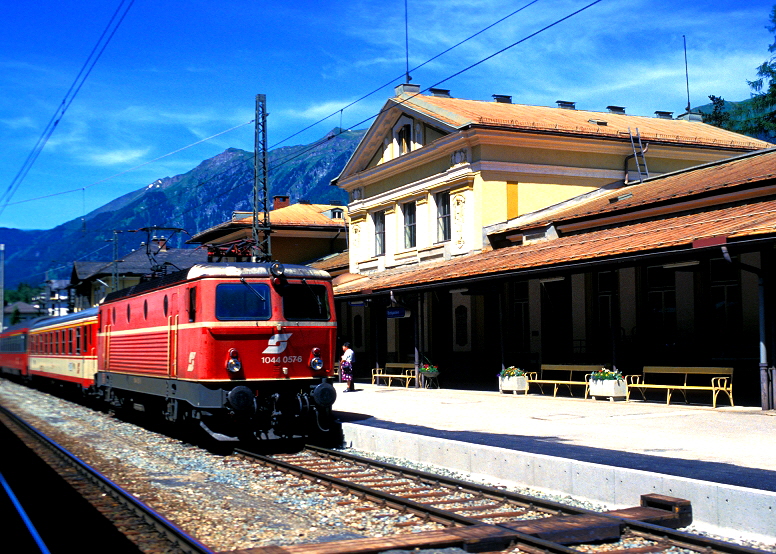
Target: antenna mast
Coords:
[[686, 73], [407, 42], [261, 229]]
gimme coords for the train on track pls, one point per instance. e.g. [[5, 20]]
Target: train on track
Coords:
[[240, 350]]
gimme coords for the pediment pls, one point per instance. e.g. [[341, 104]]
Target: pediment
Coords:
[[387, 132]]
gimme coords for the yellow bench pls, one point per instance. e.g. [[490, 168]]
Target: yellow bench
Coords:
[[565, 374], [391, 371], [721, 381]]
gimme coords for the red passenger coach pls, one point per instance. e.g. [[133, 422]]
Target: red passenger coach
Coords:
[[64, 348], [14, 357], [241, 349]]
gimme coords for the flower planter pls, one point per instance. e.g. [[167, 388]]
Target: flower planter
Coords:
[[513, 384], [608, 388], [428, 379]]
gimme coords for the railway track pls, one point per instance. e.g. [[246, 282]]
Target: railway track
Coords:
[[479, 518], [122, 522]]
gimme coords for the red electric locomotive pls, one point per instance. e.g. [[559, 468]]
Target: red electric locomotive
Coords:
[[241, 349]]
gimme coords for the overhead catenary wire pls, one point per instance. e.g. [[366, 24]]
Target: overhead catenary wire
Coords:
[[132, 168], [456, 74], [110, 30], [428, 61], [308, 148]]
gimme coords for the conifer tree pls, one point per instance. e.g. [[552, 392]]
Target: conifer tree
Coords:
[[760, 116]]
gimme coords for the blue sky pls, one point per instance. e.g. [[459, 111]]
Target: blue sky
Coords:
[[178, 72]]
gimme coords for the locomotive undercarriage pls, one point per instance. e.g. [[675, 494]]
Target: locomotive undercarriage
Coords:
[[229, 411]]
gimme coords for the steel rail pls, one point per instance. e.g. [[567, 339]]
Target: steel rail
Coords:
[[646, 530], [174, 534], [381, 497], [555, 508]]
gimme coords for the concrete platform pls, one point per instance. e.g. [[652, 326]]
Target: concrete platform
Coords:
[[723, 459]]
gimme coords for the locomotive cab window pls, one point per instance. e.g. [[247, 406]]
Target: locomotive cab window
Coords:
[[192, 304], [305, 302], [243, 301]]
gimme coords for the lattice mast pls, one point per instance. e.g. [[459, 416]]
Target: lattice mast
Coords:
[[262, 251]]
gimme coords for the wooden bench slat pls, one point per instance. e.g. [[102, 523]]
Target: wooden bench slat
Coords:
[[568, 369], [721, 381], [407, 375]]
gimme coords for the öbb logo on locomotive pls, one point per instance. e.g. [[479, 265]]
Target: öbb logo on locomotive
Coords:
[[134, 351], [277, 343]]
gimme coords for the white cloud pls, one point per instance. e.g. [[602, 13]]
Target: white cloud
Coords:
[[22, 122], [118, 157]]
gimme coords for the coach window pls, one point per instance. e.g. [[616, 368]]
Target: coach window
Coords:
[[145, 309], [128, 313], [70, 341], [192, 304], [113, 317], [78, 331], [166, 305]]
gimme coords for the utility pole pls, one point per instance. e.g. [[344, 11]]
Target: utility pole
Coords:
[[2, 286], [262, 251], [115, 269]]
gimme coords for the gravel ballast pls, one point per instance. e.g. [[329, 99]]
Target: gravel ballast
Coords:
[[226, 502]]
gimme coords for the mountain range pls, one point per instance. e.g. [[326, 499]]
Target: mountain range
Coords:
[[194, 201]]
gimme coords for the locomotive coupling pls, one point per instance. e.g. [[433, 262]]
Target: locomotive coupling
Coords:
[[242, 402], [324, 395]]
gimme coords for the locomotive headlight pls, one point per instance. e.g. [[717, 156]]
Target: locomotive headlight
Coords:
[[316, 363], [233, 365]]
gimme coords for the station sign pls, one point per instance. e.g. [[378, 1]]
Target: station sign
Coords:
[[397, 312]]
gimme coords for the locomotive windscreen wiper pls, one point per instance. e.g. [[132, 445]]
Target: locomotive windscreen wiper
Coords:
[[253, 290], [317, 298]]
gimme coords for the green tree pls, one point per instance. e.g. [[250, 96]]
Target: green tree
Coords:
[[719, 116], [759, 118], [23, 293]]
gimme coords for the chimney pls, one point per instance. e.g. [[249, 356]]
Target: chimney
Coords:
[[664, 115], [406, 88], [502, 98], [616, 109], [691, 117], [566, 105], [280, 201], [441, 92], [161, 243]]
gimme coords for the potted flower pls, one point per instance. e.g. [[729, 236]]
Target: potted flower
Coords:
[[427, 373], [428, 370], [512, 379], [608, 383]]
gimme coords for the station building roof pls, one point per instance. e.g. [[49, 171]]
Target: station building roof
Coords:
[[459, 113], [717, 203]]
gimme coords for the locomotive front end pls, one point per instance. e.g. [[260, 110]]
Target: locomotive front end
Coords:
[[272, 336]]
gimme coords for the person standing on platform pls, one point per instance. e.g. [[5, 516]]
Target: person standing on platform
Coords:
[[346, 366]]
